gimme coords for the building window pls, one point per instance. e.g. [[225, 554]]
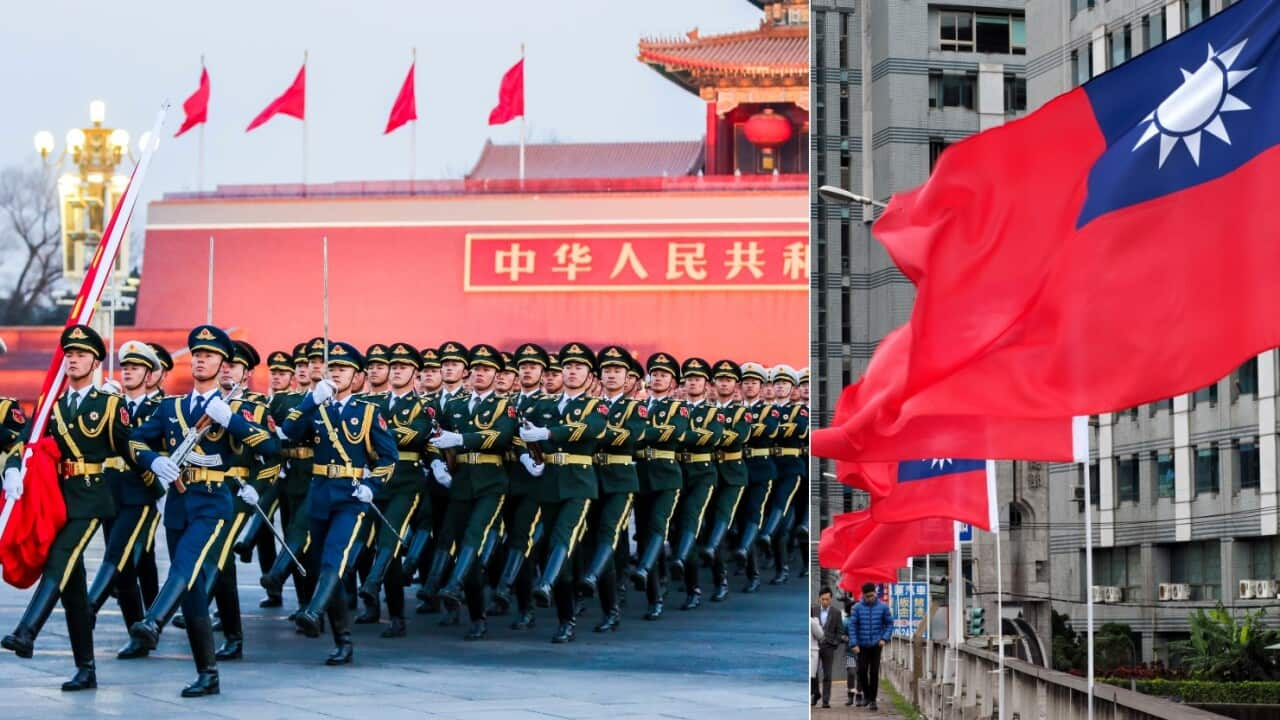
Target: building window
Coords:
[[1095, 483], [1247, 463], [1127, 478], [1194, 12], [952, 90], [956, 30], [936, 146], [1247, 377], [1015, 93], [1164, 475], [1263, 558], [1206, 471], [1152, 30], [1078, 6], [985, 32], [1121, 43], [1082, 68], [1198, 564], [1157, 406], [1121, 567], [1208, 394]]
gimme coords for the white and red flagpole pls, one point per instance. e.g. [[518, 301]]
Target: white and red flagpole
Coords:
[[95, 281], [522, 112]]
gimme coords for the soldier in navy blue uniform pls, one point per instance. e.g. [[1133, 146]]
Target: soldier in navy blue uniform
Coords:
[[148, 574], [135, 494], [199, 500], [355, 453]]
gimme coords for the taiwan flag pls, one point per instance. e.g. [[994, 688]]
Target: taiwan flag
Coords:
[[846, 532], [888, 545], [1115, 247], [962, 490]]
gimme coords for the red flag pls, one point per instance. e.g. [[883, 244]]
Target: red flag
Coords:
[[852, 578], [36, 519], [405, 107], [510, 96], [292, 102], [197, 106], [951, 489], [847, 530], [890, 544]]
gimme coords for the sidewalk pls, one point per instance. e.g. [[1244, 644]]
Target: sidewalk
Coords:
[[840, 711]]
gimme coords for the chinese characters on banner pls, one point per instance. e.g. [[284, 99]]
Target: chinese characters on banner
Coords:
[[909, 603], [681, 260]]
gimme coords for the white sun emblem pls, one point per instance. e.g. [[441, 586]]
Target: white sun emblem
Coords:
[[1197, 105], [940, 463]]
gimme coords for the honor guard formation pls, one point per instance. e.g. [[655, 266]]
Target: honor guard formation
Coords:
[[500, 484]]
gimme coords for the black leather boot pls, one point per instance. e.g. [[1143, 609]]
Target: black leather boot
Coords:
[[612, 620], [395, 630], [681, 552], [372, 587], [526, 621], [555, 561], [693, 601], [478, 630], [273, 580], [451, 594], [23, 638], [564, 634], [232, 647], [748, 537], [80, 633], [417, 546], [339, 616], [86, 678], [200, 634], [768, 527], [103, 582], [722, 591], [648, 556], [435, 574], [310, 619], [655, 611], [595, 568], [714, 537], [502, 592], [147, 631], [243, 547]]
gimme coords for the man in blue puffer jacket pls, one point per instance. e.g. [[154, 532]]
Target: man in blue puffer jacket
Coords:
[[870, 627]]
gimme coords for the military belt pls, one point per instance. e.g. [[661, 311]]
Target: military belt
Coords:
[[786, 452], [239, 473], [728, 456], [759, 452], [479, 458], [335, 471], [72, 468], [115, 463], [567, 459], [410, 456], [607, 459], [652, 454], [209, 475], [299, 453], [695, 457]]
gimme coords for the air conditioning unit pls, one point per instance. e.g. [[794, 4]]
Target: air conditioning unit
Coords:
[[1165, 592], [1180, 591], [1099, 593], [1246, 589], [1264, 588], [1077, 493], [1114, 594]]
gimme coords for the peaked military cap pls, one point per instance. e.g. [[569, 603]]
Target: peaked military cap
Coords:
[[245, 354], [614, 355], [508, 362], [453, 350], [784, 372], [532, 352], [577, 352], [405, 354], [280, 360], [315, 348], [754, 371], [804, 376], [166, 361], [299, 353], [663, 361], [213, 339], [343, 353], [430, 358], [727, 368], [136, 352], [635, 368], [695, 367], [83, 337], [553, 362], [377, 352], [485, 355]]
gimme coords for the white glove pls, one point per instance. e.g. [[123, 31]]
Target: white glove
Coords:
[[13, 484], [322, 392], [280, 433], [218, 410], [441, 471], [447, 439], [362, 493], [535, 468], [165, 469], [533, 433], [248, 494]]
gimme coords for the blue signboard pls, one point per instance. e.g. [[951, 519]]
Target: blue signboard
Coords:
[[909, 602], [966, 533]]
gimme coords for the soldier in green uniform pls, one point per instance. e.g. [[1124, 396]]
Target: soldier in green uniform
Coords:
[[800, 530], [412, 424], [13, 426], [479, 429], [660, 475], [89, 426], [427, 383], [567, 431], [505, 383], [148, 574], [135, 496], [625, 430], [793, 435], [698, 463], [377, 371], [301, 367], [521, 510], [375, 389], [552, 377], [731, 469], [761, 471]]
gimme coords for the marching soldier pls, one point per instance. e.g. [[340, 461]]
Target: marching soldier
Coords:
[[412, 425], [659, 472], [148, 574], [800, 531], [552, 377], [377, 371], [373, 390], [625, 429], [480, 427], [301, 367], [761, 470], [355, 454], [731, 469], [155, 379], [521, 510], [135, 495], [88, 426], [199, 500], [567, 431], [793, 434], [698, 463], [427, 383], [505, 383]]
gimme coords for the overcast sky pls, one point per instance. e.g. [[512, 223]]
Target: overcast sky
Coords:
[[582, 79]]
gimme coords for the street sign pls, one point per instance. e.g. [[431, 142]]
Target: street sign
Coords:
[[966, 533]]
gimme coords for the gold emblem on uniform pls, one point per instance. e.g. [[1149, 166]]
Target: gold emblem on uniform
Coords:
[[694, 363], [662, 359], [204, 334], [482, 352], [77, 334], [93, 416], [574, 348], [337, 350], [529, 351], [613, 352]]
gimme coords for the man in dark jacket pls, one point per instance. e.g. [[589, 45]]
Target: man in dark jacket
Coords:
[[870, 627], [832, 637]]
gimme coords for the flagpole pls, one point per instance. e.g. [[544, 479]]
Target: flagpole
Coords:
[[994, 513], [208, 306], [928, 619], [957, 612], [200, 146], [1088, 575], [413, 127], [522, 117], [304, 128]]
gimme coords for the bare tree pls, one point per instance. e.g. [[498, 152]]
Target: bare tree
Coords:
[[30, 245]]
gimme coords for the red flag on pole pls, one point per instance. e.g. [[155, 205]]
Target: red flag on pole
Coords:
[[292, 102], [510, 96], [197, 106], [405, 107]]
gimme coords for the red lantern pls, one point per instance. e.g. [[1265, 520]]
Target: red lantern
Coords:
[[767, 130]]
